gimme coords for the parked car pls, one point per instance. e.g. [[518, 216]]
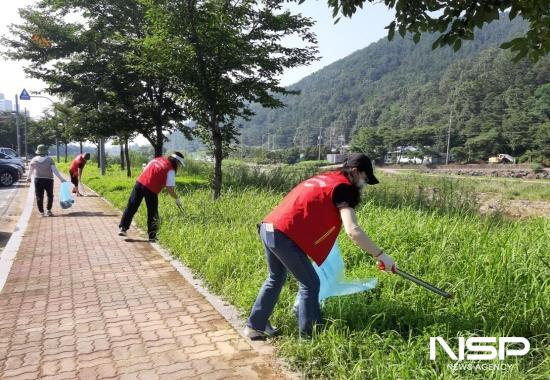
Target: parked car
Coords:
[[12, 160], [9, 151], [9, 173]]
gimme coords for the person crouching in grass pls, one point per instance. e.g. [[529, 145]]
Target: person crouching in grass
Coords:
[[304, 227], [159, 173]]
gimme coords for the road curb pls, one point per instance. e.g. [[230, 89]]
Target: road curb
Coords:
[[225, 309], [9, 252]]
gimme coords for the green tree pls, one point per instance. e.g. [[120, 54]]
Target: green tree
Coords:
[[98, 60], [541, 142], [8, 132], [487, 144], [459, 153], [455, 21], [370, 142], [223, 56], [542, 101], [401, 86], [43, 131]]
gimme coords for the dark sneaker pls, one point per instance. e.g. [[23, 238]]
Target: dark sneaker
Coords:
[[152, 240], [253, 334], [49, 213], [122, 232]]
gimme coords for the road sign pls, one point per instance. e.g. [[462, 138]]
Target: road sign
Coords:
[[24, 95]]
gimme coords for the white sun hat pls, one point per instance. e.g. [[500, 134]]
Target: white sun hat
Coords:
[[180, 159]]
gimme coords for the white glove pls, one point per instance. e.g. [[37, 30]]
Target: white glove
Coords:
[[385, 263], [178, 202]]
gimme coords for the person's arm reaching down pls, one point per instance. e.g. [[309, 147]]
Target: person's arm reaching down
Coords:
[[171, 186], [171, 190], [360, 238], [56, 172], [31, 172]]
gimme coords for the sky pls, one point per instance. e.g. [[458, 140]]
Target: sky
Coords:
[[335, 41]]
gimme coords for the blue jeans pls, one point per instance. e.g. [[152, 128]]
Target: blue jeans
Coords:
[[283, 255]]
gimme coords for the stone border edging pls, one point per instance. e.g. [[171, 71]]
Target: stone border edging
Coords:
[[226, 310]]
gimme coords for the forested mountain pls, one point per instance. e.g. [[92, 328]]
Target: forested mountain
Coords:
[[397, 93]]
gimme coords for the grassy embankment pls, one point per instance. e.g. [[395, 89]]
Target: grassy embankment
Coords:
[[495, 267]]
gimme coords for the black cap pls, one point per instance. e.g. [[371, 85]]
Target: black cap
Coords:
[[363, 164]]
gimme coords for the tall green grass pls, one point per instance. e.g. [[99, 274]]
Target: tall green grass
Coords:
[[280, 178], [495, 268], [509, 188]]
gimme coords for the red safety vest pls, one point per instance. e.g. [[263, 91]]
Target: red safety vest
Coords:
[[308, 216], [155, 173], [79, 160]]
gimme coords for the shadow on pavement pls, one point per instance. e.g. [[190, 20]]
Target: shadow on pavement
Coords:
[[88, 213], [4, 237], [15, 185], [130, 240]]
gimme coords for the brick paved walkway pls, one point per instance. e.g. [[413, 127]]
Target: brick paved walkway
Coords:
[[82, 302]]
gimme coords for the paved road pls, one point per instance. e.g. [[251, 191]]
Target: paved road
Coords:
[[11, 204], [7, 195], [81, 302]]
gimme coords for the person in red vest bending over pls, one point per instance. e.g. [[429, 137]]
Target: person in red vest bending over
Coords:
[[75, 171], [160, 172], [304, 227]]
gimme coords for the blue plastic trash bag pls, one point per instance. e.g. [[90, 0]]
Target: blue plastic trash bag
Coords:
[[65, 198], [332, 278]]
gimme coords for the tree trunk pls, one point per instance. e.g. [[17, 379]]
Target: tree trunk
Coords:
[[66, 152], [159, 140], [128, 168], [98, 162], [122, 166], [218, 157], [158, 149], [80, 143]]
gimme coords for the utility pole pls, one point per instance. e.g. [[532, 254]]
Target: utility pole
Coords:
[[26, 141], [102, 157], [449, 136], [101, 147], [319, 138], [17, 125]]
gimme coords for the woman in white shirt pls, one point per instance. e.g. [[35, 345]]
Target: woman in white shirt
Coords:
[[42, 168]]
